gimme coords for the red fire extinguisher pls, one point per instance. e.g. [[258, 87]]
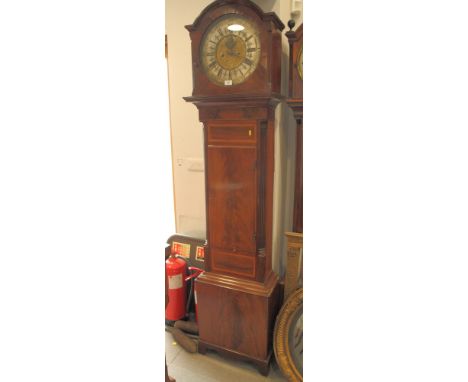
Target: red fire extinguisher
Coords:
[[176, 270]]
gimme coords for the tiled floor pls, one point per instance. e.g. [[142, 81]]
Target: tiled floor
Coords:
[[188, 367]]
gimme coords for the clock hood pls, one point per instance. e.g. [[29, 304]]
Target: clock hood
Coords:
[[269, 16]]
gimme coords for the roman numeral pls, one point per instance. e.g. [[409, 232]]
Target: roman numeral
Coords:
[[248, 62], [212, 64], [252, 50]]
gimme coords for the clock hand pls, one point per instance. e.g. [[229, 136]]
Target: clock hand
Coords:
[[230, 43]]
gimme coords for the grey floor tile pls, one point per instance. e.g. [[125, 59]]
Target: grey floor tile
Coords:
[[172, 348], [215, 368], [182, 374]]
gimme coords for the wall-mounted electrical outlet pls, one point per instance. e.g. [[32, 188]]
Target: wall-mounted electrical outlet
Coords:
[[191, 164], [195, 164]]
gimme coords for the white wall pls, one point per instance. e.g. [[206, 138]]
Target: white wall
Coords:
[[187, 132]]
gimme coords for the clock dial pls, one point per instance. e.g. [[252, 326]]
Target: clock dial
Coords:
[[299, 62], [230, 50]]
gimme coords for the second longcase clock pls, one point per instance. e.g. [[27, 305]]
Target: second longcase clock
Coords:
[[236, 63], [296, 73]]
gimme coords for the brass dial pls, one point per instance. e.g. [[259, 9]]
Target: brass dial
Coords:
[[230, 50], [299, 63]]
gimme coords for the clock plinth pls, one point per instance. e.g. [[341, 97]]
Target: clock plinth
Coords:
[[237, 80], [236, 317]]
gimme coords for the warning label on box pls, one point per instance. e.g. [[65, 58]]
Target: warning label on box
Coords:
[[200, 254], [181, 249]]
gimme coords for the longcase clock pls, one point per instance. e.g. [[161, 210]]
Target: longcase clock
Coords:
[[236, 63], [295, 102]]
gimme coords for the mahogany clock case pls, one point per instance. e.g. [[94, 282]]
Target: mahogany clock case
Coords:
[[266, 79], [295, 102], [238, 294]]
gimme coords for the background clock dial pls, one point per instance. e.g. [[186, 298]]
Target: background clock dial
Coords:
[[230, 50], [299, 63]]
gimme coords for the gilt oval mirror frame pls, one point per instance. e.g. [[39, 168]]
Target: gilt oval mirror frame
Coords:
[[287, 341]]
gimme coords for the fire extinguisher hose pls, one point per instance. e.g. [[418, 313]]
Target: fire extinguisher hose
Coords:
[[187, 326], [183, 340], [195, 273], [190, 296]]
